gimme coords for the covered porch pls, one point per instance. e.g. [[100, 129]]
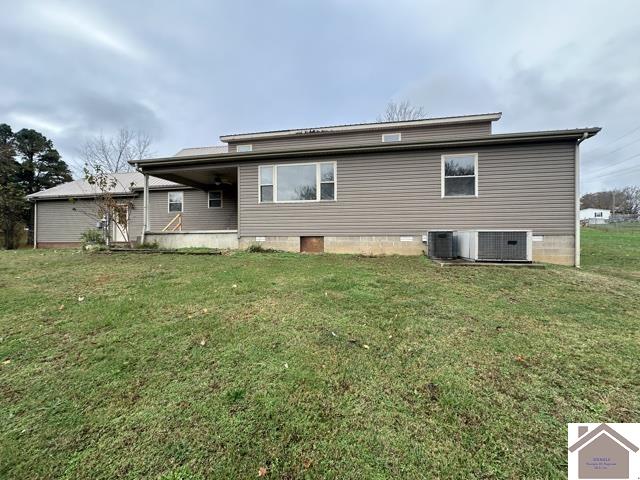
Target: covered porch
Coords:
[[203, 213]]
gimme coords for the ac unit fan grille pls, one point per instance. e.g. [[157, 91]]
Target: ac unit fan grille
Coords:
[[441, 244], [502, 246]]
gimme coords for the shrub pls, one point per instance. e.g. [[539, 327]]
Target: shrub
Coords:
[[92, 237], [256, 248]]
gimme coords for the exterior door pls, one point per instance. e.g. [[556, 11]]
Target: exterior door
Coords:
[[120, 227]]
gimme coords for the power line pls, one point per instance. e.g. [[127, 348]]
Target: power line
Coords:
[[630, 170], [617, 139], [610, 166], [621, 148]]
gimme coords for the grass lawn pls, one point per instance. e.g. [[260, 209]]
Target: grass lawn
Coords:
[[188, 367]]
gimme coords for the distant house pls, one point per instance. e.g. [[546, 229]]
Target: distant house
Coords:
[[374, 188], [595, 215]]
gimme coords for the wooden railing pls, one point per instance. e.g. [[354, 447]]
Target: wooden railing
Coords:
[[178, 224]]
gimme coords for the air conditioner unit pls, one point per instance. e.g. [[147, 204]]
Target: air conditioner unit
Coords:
[[494, 245], [441, 244]]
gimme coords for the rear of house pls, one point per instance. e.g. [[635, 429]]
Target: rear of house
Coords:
[[366, 188]]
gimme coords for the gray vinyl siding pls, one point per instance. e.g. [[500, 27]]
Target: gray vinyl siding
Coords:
[[328, 140], [524, 186], [63, 220], [195, 212]]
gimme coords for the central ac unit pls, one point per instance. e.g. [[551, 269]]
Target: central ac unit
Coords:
[[494, 245], [441, 244]]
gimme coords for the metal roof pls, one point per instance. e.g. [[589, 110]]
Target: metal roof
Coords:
[[125, 184], [501, 138], [483, 117], [212, 150]]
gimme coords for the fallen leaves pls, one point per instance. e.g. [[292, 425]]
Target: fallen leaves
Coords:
[[81, 299], [7, 361], [61, 307], [203, 342], [262, 472]]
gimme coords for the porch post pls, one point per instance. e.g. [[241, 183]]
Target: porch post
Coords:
[[145, 207]]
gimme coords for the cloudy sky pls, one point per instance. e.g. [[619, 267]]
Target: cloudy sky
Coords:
[[190, 71]]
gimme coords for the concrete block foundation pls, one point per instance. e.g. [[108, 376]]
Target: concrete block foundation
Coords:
[[286, 244], [221, 240], [558, 249], [376, 245], [366, 245]]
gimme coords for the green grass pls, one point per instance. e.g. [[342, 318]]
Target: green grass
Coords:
[[188, 367], [612, 249]]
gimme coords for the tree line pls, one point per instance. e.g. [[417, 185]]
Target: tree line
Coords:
[[622, 201], [28, 163]]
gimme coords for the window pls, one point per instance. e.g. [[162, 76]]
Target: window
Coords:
[[215, 199], [597, 214], [327, 181], [391, 137], [175, 202], [303, 182], [460, 175], [244, 148], [266, 184]]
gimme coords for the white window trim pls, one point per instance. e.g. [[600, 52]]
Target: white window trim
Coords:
[[209, 199], [272, 184], [318, 182], [181, 201], [392, 141], [475, 169], [248, 147]]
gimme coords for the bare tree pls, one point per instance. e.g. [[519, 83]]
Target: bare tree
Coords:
[[112, 154], [624, 201], [112, 211], [397, 112]]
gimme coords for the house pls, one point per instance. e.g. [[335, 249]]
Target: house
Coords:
[[64, 212], [602, 453], [595, 215], [374, 188]]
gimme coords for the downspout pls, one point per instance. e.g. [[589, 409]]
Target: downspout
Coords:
[[35, 224], [585, 135]]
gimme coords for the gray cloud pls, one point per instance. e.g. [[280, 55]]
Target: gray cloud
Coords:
[[188, 72]]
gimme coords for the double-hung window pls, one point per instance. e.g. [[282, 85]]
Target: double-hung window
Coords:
[[215, 199], [460, 175], [302, 182], [175, 202], [266, 184]]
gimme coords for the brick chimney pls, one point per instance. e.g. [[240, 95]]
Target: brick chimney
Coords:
[[582, 429]]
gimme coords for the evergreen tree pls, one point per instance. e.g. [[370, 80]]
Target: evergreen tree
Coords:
[[13, 205], [28, 163]]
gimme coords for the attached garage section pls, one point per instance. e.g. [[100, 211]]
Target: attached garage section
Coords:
[[59, 223]]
